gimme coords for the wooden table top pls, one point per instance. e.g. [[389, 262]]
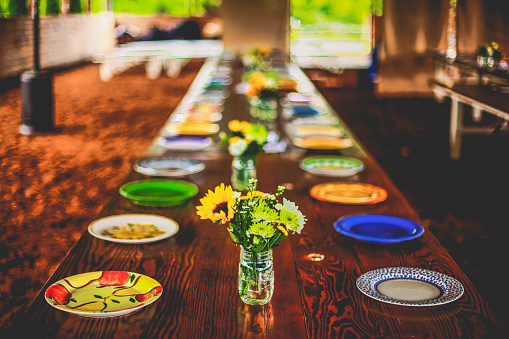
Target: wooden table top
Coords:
[[197, 268]]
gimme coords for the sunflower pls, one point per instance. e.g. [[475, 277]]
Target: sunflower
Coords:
[[238, 126], [217, 205]]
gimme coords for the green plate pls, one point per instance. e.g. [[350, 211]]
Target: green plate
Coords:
[[333, 166], [159, 192]]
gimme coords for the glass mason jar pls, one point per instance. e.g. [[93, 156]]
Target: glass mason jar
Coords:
[[263, 108], [256, 277], [243, 169]]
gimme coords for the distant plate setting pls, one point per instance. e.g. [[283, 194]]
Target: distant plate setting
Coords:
[[377, 228], [183, 143], [159, 192], [322, 143], [168, 226], [168, 167], [333, 166], [348, 193], [410, 286]]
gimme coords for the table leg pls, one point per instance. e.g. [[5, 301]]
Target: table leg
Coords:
[[456, 128], [105, 71], [153, 68]]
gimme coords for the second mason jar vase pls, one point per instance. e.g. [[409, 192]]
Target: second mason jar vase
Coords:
[[256, 277], [243, 169]]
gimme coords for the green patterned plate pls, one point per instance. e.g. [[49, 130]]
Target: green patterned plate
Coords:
[[103, 294], [332, 166]]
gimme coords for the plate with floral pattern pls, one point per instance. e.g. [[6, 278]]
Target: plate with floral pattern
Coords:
[[103, 294], [410, 286]]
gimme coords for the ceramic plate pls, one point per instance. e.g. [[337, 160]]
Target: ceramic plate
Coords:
[[334, 166], [159, 192], [323, 143], [348, 193], [385, 229], [166, 225], [304, 131], [185, 142], [103, 294], [409, 286], [298, 97], [169, 167], [193, 128], [196, 117]]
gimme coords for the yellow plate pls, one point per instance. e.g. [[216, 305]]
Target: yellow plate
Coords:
[[318, 130], [103, 294], [348, 193], [323, 143], [193, 128]]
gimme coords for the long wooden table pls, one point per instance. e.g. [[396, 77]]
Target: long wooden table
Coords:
[[197, 268]]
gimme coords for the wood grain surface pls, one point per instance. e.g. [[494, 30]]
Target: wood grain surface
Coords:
[[197, 268]]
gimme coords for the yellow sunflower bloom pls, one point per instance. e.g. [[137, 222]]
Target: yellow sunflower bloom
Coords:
[[217, 205], [254, 194], [238, 126]]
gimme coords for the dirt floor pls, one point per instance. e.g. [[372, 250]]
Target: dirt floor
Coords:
[[54, 184]]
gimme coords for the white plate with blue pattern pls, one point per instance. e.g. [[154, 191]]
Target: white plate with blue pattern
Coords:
[[410, 286]]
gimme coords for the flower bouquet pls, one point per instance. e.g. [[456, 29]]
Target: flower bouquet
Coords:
[[244, 142], [263, 93], [257, 222], [256, 57], [489, 54]]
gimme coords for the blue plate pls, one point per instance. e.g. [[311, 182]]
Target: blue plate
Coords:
[[384, 229], [303, 110]]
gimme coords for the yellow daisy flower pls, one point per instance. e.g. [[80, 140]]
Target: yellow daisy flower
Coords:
[[217, 205]]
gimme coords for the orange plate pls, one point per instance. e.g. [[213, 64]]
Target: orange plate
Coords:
[[348, 193], [323, 143]]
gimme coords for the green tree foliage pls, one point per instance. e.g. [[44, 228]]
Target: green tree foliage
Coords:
[[75, 6], [323, 11], [17, 7], [52, 7]]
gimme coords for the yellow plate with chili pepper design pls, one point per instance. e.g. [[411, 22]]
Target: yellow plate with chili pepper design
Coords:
[[103, 294]]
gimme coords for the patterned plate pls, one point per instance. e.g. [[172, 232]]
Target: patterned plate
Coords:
[[103, 294], [333, 166], [409, 286], [348, 193]]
